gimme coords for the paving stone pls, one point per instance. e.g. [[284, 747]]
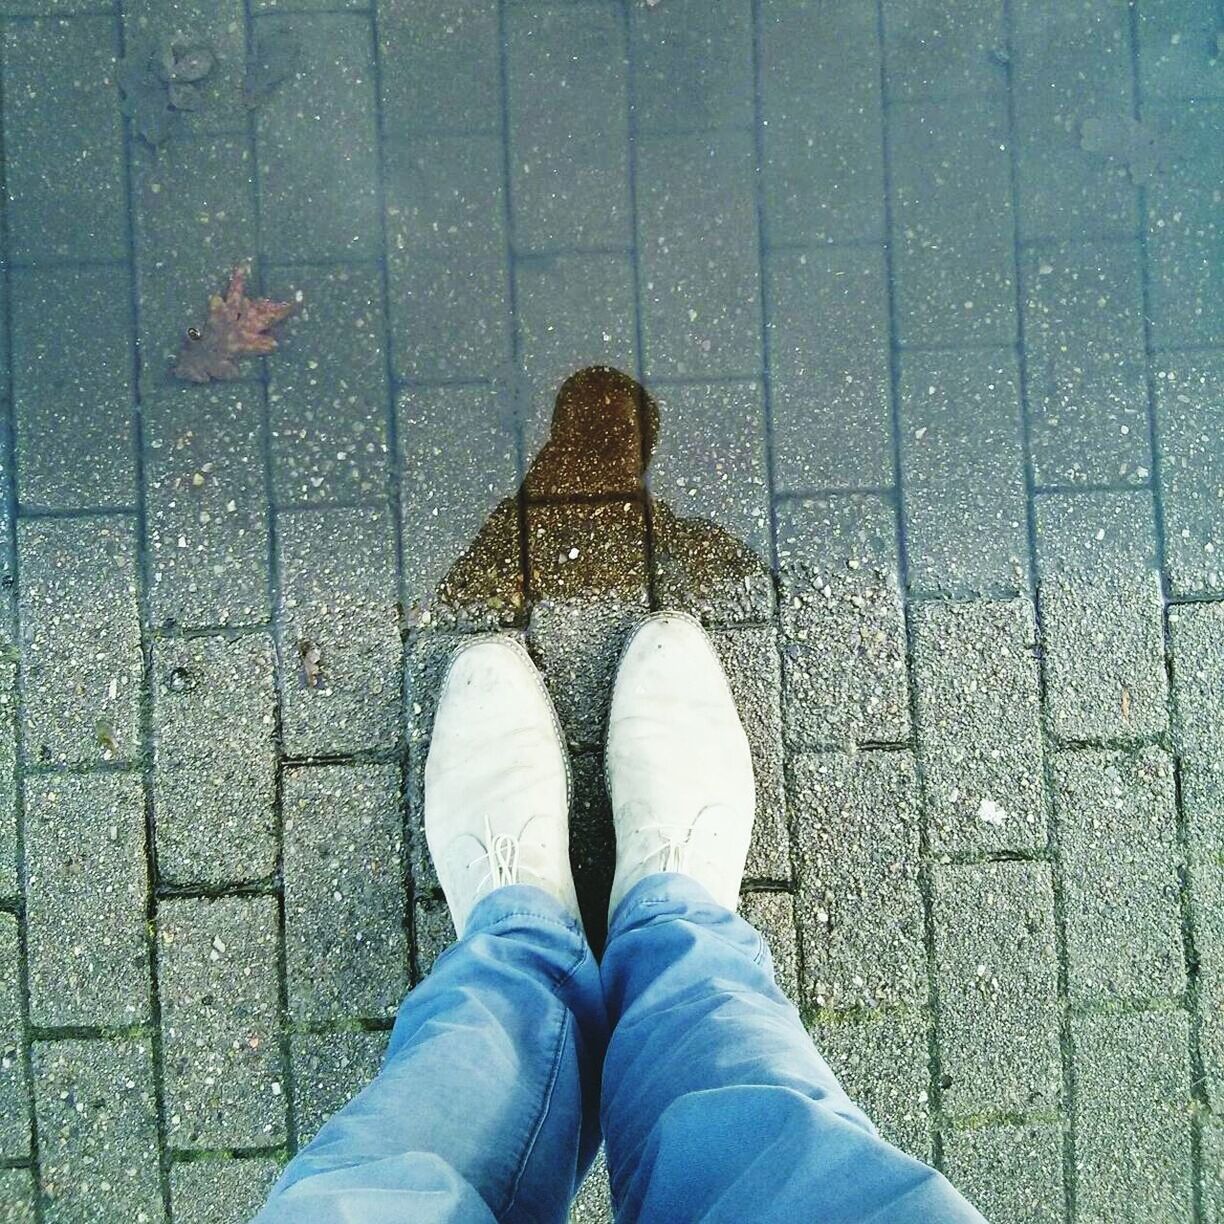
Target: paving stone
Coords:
[[1178, 52], [338, 598], [843, 631], [699, 256], [315, 142], [459, 515], [829, 368], [692, 66], [80, 636], [194, 205], [214, 785], [9, 883], [587, 551], [1120, 862], [569, 157], [1069, 63], [1012, 1173], [217, 980], [592, 856], [962, 465], [206, 507], [63, 136], [953, 264], [1206, 885], [574, 311], [220, 1191], [593, 1202], [823, 181], [940, 50], [979, 725], [855, 844], [1087, 376], [17, 1194], [1132, 1114], [329, 1069], [1189, 387], [750, 657], [345, 940], [440, 72], [72, 387], [327, 391], [578, 645], [882, 1060], [14, 1094], [710, 503], [998, 988], [435, 932], [448, 262], [97, 1131], [773, 915], [1211, 1171], [219, 25], [86, 899], [1101, 615]]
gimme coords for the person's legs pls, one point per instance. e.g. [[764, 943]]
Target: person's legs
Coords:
[[485, 1106], [716, 1105]]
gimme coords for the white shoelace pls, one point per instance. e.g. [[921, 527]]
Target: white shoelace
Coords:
[[501, 851], [675, 843]]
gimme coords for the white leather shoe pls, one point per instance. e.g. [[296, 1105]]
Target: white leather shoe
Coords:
[[678, 766], [497, 780]]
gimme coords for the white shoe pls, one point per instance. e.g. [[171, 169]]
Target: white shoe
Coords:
[[678, 766], [497, 780]]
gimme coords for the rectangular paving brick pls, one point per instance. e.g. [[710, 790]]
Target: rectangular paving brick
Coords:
[[954, 260], [1206, 877], [1101, 615], [434, 931], [1177, 50], [448, 261], [573, 311], [1211, 1170], [942, 50], [1132, 1114], [823, 181], [842, 626], [1121, 864], [979, 725], [329, 1069], [86, 899], [569, 143], [962, 467], [17, 1193], [338, 600], [462, 547], [217, 981], [749, 655], [1189, 388], [699, 256], [855, 843], [97, 1130], [773, 915], [14, 1093], [80, 661], [327, 390], [882, 1059], [194, 204], [829, 368], [709, 489], [345, 941], [1010, 1172], [214, 752], [998, 988], [1070, 62], [1197, 636], [692, 65], [206, 506], [440, 72], [221, 1191], [587, 551], [315, 143], [9, 883], [1087, 378], [592, 856], [63, 136], [73, 374]]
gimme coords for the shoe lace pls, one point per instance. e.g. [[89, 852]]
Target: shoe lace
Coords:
[[501, 852], [675, 842]]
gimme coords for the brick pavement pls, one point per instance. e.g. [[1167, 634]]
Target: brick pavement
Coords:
[[951, 384]]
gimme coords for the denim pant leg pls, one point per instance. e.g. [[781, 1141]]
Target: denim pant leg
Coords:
[[486, 1105], [716, 1105]]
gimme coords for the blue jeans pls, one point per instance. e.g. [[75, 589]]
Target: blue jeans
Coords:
[[714, 1105]]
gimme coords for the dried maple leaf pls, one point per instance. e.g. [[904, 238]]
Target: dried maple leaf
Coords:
[[237, 326]]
